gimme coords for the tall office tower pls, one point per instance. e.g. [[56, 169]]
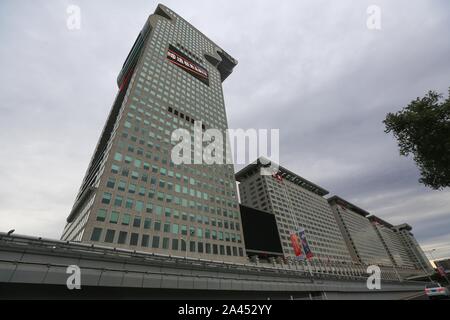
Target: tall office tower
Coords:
[[133, 195], [296, 203], [399, 252], [363, 242]]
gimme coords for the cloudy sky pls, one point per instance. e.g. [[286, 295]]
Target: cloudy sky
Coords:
[[309, 68]]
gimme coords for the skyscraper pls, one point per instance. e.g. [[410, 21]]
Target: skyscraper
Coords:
[[401, 245], [296, 203], [420, 260], [362, 240], [133, 195]]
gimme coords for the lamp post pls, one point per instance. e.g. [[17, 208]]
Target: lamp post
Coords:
[[186, 239]]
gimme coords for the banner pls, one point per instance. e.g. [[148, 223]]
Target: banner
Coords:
[[304, 242], [277, 176], [181, 60], [295, 241]]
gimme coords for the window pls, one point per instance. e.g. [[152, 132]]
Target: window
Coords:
[[118, 156], [157, 225], [165, 243], [192, 246], [149, 208], [200, 247], [111, 183], [129, 203], [121, 185], [122, 237], [134, 239], [115, 169], [137, 222], [167, 227], [101, 215], [139, 206], [109, 238], [145, 241], [96, 233], [175, 228], [114, 217], [118, 201], [174, 244], [106, 198], [155, 242], [126, 219], [147, 223]]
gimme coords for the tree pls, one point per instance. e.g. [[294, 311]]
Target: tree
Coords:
[[423, 130]]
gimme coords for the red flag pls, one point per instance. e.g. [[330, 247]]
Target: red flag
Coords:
[[296, 245], [277, 176]]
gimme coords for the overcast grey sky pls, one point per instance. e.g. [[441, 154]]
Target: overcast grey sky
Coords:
[[310, 68]]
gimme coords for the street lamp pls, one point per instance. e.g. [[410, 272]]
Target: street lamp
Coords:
[[187, 238]]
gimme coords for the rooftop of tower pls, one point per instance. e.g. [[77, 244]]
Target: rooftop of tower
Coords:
[[351, 206], [380, 221], [220, 59], [283, 173]]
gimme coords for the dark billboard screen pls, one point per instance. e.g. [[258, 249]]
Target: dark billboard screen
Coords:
[[181, 60], [260, 231]]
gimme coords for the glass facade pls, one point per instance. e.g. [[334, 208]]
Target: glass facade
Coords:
[[139, 192], [296, 204]]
